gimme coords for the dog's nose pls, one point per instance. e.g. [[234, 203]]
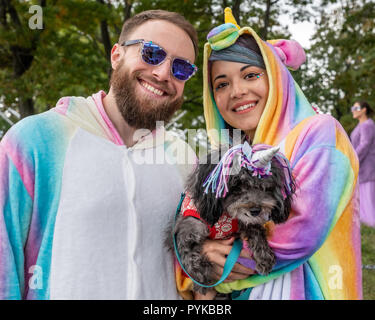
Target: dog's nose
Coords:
[[255, 211]]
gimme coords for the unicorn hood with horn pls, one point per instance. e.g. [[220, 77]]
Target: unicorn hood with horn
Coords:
[[318, 248]]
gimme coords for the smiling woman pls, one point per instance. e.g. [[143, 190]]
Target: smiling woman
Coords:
[[248, 86]]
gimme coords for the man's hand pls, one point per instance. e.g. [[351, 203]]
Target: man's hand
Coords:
[[217, 252]]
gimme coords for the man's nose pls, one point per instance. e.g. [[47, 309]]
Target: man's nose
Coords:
[[162, 72]]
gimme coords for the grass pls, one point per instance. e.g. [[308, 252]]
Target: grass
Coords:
[[368, 258]]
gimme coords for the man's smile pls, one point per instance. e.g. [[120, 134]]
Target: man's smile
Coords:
[[151, 88]]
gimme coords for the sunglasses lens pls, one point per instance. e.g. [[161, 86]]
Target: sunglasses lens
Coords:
[[182, 69], [153, 54], [355, 108]]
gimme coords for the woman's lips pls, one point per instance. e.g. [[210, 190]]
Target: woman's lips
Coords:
[[244, 107]]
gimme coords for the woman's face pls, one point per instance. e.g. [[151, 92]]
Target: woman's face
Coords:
[[358, 113], [240, 92]]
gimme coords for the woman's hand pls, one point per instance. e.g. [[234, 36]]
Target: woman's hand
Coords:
[[217, 252]]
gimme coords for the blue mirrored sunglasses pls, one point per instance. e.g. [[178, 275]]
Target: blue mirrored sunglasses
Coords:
[[355, 108], [155, 55]]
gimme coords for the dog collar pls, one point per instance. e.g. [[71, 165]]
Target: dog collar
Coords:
[[222, 229]]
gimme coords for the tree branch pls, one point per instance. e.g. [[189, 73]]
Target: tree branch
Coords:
[[13, 13], [105, 38], [127, 9], [236, 11], [266, 20], [3, 16]]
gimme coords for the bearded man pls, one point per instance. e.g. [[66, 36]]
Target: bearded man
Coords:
[[83, 208]]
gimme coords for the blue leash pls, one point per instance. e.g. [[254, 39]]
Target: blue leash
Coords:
[[229, 263]]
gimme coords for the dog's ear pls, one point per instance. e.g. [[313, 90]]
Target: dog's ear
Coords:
[[280, 213], [283, 197], [209, 207]]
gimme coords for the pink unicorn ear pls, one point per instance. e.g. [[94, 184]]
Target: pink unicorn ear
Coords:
[[290, 52]]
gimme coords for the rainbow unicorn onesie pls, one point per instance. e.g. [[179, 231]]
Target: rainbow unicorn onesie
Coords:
[[82, 215], [318, 249]]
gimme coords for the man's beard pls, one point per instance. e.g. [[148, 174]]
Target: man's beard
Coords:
[[137, 112]]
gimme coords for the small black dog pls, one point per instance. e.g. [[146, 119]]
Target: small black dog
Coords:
[[260, 191]]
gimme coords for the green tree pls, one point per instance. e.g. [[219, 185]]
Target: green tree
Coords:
[[66, 56], [70, 54], [341, 66]]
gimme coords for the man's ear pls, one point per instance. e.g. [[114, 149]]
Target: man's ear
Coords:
[[116, 55]]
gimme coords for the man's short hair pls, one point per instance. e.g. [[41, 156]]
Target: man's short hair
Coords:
[[173, 17]]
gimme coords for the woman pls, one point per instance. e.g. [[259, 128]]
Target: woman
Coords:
[[363, 140], [250, 88]]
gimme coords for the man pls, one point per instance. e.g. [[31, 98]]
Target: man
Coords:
[[87, 188], [84, 207]]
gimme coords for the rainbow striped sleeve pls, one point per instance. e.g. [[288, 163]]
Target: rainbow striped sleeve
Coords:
[[320, 239], [27, 209]]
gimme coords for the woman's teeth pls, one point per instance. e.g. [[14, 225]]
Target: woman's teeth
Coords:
[[246, 106], [152, 89]]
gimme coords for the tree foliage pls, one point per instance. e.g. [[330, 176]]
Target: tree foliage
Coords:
[[341, 67], [70, 54]]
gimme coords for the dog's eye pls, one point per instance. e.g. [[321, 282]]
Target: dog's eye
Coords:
[[255, 211]]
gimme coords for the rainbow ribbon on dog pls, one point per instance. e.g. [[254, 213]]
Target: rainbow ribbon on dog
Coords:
[[257, 160]]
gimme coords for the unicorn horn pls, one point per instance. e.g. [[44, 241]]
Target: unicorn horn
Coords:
[[229, 18], [261, 158]]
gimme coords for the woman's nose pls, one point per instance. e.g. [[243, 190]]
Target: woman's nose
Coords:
[[238, 90]]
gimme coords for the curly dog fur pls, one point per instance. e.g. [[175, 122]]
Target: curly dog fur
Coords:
[[251, 200]]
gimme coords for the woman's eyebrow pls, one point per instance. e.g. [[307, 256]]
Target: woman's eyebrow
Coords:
[[245, 67], [220, 76], [224, 76]]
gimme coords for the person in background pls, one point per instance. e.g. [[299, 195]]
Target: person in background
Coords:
[[363, 140]]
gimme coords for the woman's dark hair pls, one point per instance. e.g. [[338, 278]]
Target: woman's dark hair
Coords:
[[248, 41], [364, 104]]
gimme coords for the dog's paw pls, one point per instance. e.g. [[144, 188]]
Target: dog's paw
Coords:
[[265, 262], [200, 289]]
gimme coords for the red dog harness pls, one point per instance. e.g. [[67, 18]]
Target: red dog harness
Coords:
[[222, 229]]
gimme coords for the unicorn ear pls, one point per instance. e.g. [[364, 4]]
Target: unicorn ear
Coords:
[[290, 52], [229, 18], [261, 158], [236, 164], [246, 150]]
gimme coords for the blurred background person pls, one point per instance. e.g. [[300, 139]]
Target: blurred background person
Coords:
[[363, 140]]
